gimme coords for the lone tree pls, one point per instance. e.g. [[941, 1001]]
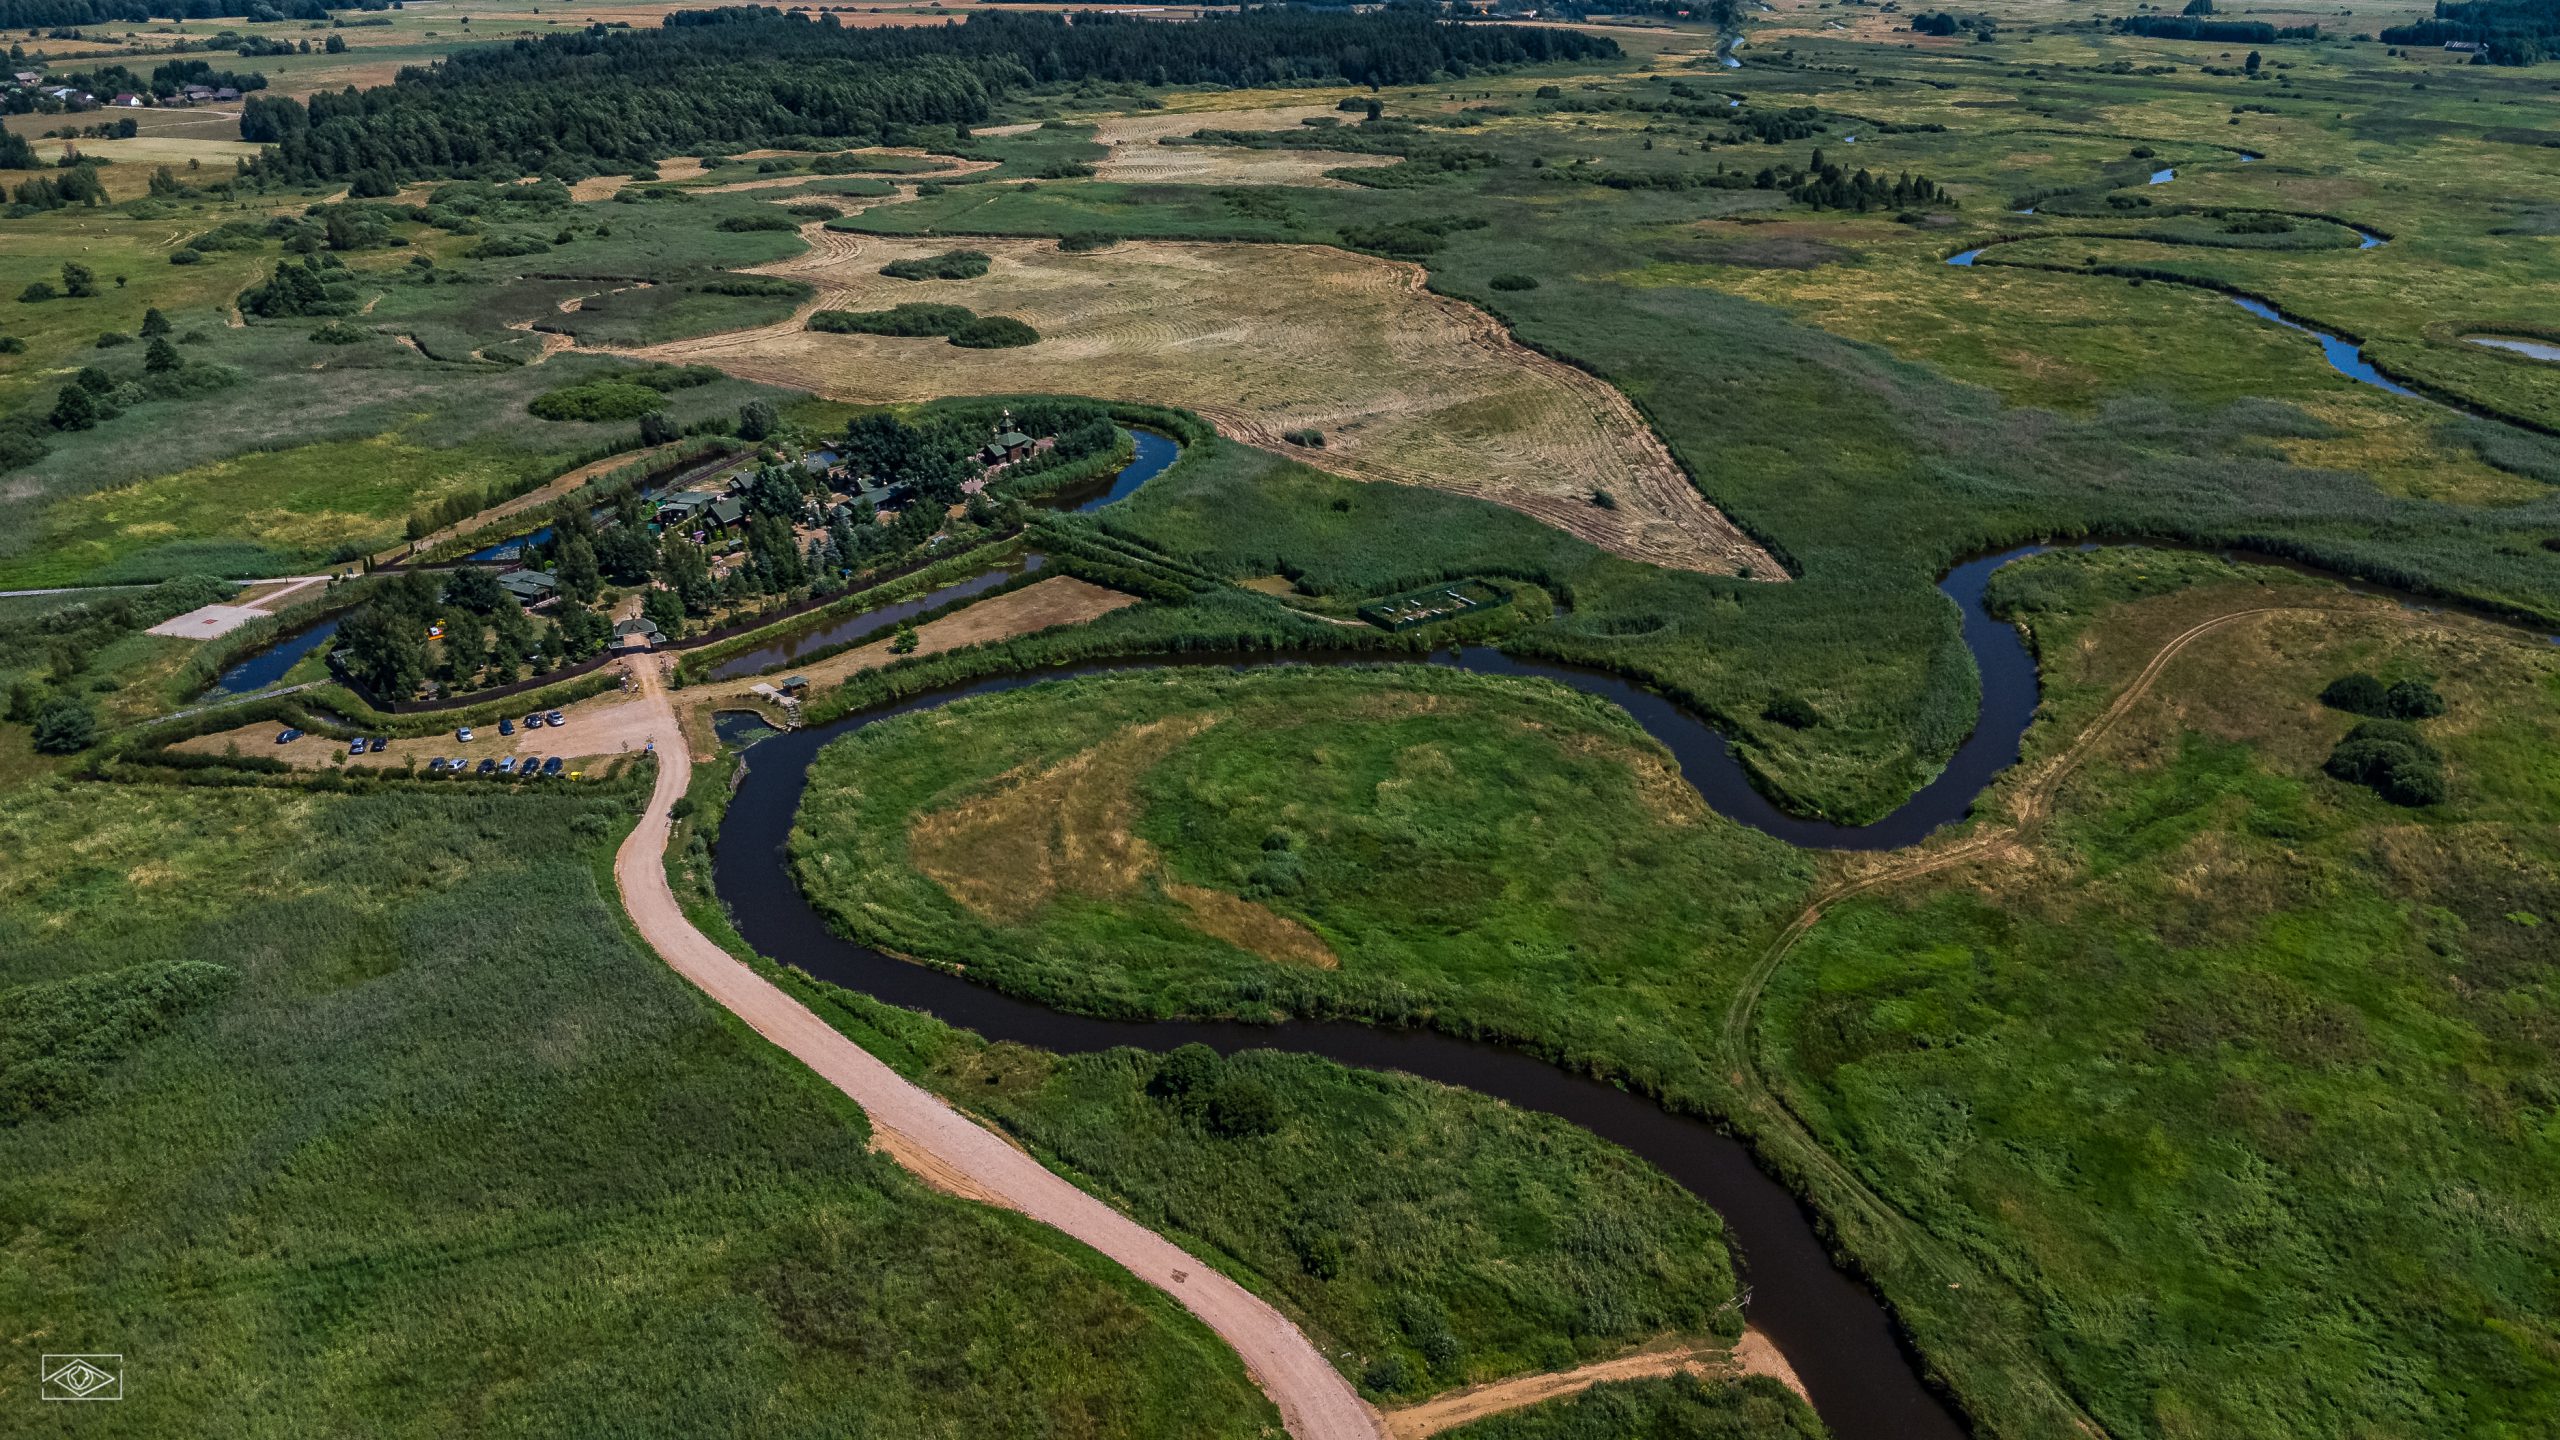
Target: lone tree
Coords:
[[65, 726], [78, 280], [73, 409]]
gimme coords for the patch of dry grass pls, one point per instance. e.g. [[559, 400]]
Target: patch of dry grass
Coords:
[[1265, 340], [1035, 836]]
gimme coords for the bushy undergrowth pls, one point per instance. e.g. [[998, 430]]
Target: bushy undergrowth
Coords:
[[500, 1111], [949, 265], [2309, 1012], [1498, 1241]]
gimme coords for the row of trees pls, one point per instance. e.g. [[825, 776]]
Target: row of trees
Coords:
[[605, 99], [1825, 186], [56, 14], [2228, 32], [2516, 32]]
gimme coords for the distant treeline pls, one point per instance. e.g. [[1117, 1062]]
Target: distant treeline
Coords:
[[2229, 32], [605, 99], [2516, 32], [53, 14]]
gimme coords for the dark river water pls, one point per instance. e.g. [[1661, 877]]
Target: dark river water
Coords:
[[1832, 1328], [1864, 1381], [269, 665]]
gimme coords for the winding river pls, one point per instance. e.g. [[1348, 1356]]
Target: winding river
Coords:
[[2345, 356], [1832, 1329]]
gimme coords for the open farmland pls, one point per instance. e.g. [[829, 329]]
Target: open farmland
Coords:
[[1265, 340]]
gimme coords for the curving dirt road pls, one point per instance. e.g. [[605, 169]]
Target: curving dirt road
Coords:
[[950, 1150]]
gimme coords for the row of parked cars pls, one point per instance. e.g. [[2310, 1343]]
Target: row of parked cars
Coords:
[[534, 721], [526, 768], [381, 744]]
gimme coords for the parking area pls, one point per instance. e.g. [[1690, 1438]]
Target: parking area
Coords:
[[588, 736], [578, 748]]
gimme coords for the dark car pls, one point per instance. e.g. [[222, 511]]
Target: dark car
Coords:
[[533, 722], [381, 744], [506, 726], [551, 766], [287, 736], [488, 767], [436, 766]]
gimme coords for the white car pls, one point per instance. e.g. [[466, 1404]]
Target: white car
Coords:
[[462, 734]]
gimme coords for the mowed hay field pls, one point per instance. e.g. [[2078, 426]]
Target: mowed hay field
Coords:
[[1264, 340], [1138, 157]]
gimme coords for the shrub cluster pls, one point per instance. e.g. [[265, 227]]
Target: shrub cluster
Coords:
[[962, 325], [2362, 694], [2392, 759], [949, 265], [625, 395], [2386, 753]]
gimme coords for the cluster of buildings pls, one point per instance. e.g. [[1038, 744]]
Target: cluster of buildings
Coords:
[[72, 97], [719, 510], [69, 97]]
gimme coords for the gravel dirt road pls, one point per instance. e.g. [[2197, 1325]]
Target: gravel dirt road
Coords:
[[918, 1129]]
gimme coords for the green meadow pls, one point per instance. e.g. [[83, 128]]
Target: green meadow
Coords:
[[363, 1114]]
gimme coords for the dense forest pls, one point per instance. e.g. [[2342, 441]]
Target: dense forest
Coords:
[[2517, 32], [602, 99], [50, 14], [2229, 32]]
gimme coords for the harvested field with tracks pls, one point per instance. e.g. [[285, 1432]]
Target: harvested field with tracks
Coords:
[[1264, 340], [1138, 156]]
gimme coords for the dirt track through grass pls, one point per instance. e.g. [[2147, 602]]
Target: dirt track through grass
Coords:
[[1264, 340], [1009, 851]]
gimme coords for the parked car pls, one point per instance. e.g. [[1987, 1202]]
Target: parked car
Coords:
[[533, 722], [356, 746], [553, 717], [463, 734], [506, 726], [488, 767], [287, 736], [436, 766], [381, 744], [551, 766]]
